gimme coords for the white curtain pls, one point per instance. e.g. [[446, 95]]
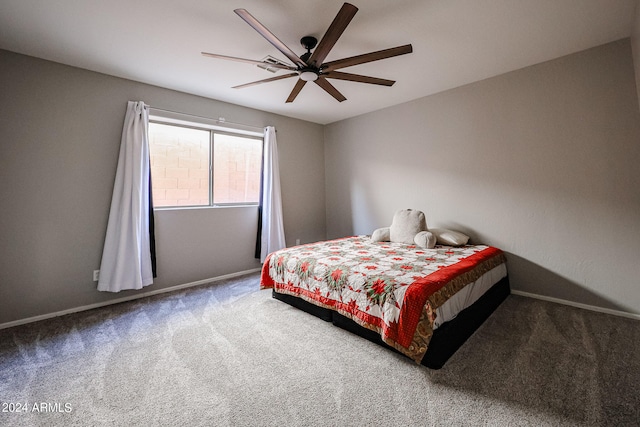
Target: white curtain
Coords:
[[126, 257], [272, 237]]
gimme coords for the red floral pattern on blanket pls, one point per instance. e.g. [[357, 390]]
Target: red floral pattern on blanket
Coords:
[[383, 286]]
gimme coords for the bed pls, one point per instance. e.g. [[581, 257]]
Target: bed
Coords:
[[423, 303]]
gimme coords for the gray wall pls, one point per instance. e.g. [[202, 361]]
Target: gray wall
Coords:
[[60, 133], [635, 43], [541, 162]]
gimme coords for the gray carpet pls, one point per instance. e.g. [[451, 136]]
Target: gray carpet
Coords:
[[228, 354]]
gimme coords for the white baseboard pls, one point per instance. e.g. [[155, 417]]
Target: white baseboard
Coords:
[[119, 300], [578, 305], [242, 273]]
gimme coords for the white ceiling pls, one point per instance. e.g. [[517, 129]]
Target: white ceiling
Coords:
[[455, 42]]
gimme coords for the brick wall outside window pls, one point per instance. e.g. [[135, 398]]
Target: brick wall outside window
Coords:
[[180, 167], [236, 169]]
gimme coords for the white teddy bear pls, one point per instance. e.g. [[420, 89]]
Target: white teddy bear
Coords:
[[410, 226]]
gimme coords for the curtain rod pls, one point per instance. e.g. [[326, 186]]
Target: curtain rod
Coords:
[[220, 120]]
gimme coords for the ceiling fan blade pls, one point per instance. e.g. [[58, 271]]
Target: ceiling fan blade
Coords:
[[270, 37], [337, 27], [249, 61], [328, 87], [296, 90], [272, 79], [367, 57], [358, 78]]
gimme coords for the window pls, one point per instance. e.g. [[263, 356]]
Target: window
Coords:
[[196, 165]]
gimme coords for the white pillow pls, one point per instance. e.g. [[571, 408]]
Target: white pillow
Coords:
[[449, 237]]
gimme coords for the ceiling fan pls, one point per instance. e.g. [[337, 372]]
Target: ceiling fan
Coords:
[[310, 67]]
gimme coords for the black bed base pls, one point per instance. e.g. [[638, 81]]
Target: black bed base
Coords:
[[445, 340]]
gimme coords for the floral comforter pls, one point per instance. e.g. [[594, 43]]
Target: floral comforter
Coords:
[[392, 288]]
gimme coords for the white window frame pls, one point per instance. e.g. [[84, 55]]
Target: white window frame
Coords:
[[211, 125]]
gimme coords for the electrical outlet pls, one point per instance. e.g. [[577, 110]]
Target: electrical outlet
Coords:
[[297, 242], [96, 275]]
